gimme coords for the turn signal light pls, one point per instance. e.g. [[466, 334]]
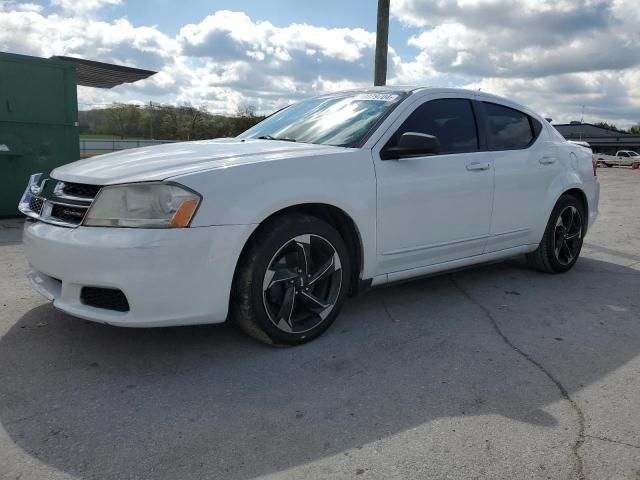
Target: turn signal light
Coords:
[[184, 214]]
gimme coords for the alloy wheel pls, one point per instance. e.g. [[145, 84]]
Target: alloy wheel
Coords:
[[302, 283], [567, 235]]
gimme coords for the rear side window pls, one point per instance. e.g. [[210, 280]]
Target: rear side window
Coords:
[[449, 119], [510, 129]]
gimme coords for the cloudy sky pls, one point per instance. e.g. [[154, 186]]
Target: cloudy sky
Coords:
[[553, 55]]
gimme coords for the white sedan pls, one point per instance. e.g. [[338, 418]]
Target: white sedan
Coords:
[[327, 197]]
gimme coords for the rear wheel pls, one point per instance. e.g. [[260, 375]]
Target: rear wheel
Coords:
[[291, 281], [562, 241]]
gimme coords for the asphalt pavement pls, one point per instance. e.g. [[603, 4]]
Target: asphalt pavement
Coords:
[[497, 372]]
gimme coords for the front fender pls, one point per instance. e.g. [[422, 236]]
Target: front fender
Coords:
[[250, 193]]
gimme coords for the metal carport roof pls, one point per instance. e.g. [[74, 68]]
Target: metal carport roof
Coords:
[[104, 75]]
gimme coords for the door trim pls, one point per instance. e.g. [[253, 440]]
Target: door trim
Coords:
[[512, 232], [435, 245], [443, 267]]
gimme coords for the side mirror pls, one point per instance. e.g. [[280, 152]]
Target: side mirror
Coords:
[[411, 144]]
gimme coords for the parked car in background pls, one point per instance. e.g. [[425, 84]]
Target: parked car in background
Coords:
[[321, 200], [627, 158]]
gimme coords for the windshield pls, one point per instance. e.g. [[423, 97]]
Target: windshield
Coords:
[[342, 119], [633, 154]]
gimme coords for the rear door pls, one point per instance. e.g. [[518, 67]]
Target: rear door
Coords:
[[526, 163]]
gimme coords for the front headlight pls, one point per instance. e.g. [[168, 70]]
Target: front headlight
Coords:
[[143, 205]]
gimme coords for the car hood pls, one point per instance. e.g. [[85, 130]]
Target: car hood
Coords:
[[173, 159]]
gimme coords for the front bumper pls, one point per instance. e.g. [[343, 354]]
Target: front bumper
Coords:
[[169, 277]]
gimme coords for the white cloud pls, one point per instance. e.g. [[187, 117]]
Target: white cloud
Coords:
[[223, 62], [269, 65], [554, 55], [604, 95], [216, 33], [508, 38], [36, 34], [83, 6], [13, 5]]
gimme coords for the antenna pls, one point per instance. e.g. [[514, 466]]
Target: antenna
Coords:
[[582, 115]]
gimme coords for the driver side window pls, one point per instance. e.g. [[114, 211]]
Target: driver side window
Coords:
[[451, 120]]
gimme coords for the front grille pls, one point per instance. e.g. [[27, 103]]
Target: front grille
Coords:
[[56, 202], [35, 204], [107, 298], [80, 190], [68, 214]]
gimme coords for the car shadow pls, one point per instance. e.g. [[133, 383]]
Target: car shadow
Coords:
[[206, 401]]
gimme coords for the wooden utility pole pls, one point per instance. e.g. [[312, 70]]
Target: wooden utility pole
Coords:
[[151, 120], [382, 43]]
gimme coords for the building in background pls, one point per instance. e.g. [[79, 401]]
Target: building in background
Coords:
[[601, 140]]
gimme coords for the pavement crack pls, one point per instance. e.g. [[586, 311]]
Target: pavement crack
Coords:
[[617, 442], [386, 310], [563, 391]]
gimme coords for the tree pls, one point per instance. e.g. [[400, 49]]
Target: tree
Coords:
[[185, 122], [608, 126], [120, 119], [246, 111], [635, 130], [245, 119], [169, 127]]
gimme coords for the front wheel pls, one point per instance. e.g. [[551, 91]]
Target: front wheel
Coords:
[[562, 241], [291, 281]]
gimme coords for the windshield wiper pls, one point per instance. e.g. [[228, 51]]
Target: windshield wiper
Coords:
[[269, 137]]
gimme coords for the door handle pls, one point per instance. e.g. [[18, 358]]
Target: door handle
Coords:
[[476, 166], [547, 160]]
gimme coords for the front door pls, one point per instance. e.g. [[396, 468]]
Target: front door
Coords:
[[436, 208]]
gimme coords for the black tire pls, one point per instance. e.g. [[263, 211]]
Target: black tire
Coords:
[[551, 256], [608, 165], [276, 246]]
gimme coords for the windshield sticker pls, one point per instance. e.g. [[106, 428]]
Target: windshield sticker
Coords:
[[377, 97]]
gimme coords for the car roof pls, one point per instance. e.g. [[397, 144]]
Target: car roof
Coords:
[[426, 89], [436, 90], [406, 88]]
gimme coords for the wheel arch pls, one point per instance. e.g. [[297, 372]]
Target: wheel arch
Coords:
[[334, 216], [579, 194], [562, 186]]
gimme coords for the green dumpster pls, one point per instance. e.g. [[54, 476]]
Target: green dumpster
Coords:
[[38, 122]]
